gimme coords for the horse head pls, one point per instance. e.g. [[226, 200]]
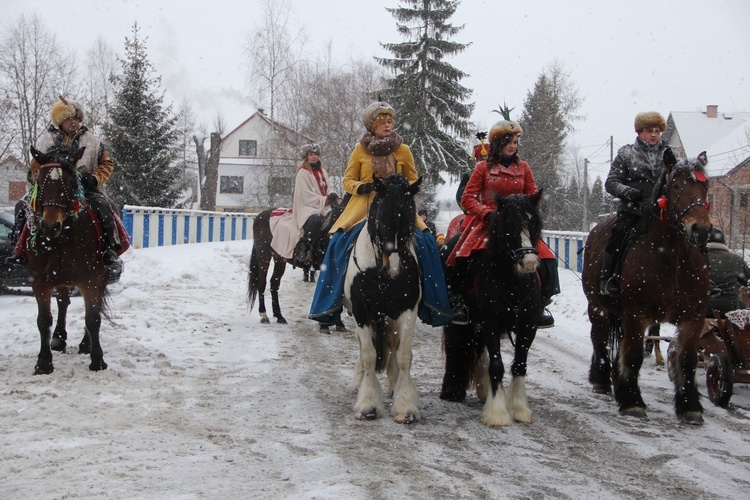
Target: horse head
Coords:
[[391, 218], [55, 192], [683, 198], [515, 229]]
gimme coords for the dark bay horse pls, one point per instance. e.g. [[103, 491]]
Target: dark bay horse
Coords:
[[262, 254], [64, 251], [382, 290], [504, 299], [663, 280]]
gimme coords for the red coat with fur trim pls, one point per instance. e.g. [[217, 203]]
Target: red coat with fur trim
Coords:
[[479, 200]]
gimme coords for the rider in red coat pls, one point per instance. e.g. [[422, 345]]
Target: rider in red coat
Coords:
[[503, 172]]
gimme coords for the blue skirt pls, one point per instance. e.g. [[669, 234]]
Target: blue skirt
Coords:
[[434, 308]]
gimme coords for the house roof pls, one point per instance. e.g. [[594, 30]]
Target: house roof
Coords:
[[290, 135], [725, 139]]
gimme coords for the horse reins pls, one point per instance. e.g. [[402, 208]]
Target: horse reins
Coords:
[[663, 202]]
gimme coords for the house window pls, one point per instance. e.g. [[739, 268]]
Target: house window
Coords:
[[248, 148], [280, 186], [231, 184], [743, 199]]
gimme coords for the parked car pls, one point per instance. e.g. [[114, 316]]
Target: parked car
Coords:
[[14, 275]]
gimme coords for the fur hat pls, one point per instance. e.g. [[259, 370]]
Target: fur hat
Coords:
[[308, 149], [505, 126], [63, 109], [374, 110], [649, 119]]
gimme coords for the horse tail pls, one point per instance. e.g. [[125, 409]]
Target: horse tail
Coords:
[[253, 280]]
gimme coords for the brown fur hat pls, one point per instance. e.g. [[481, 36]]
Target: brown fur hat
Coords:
[[504, 127], [649, 119], [307, 149], [374, 110], [63, 109]]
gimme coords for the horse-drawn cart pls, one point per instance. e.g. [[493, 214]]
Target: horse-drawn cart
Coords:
[[725, 351]]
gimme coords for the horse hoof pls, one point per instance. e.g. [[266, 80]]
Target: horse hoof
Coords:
[[95, 367], [280, 320], [635, 411], [58, 345], [370, 414], [453, 396], [265, 321], [404, 418], [43, 369], [601, 389], [691, 418]]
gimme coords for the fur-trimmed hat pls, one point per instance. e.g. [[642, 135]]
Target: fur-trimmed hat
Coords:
[[374, 110], [505, 126], [64, 109], [649, 119], [309, 149]]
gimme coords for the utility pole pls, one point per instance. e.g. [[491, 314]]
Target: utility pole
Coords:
[[585, 195]]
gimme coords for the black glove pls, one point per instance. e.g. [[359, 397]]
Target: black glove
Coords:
[[487, 217], [333, 199], [89, 181], [365, 188], [634, 195]]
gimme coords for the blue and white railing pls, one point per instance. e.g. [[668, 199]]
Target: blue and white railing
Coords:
[[567, 246], [152, 227]]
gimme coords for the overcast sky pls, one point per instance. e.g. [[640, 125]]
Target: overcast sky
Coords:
[[623, 58]]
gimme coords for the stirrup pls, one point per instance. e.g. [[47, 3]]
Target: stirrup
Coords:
[[460, 315], [610, 287]]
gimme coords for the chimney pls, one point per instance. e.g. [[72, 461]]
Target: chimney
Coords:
[[712, 110]]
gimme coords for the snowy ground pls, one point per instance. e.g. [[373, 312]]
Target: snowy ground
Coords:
[[202, 401]]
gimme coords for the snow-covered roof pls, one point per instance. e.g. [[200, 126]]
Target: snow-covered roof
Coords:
[[725, 139]]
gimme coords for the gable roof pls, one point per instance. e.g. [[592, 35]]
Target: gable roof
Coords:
[[294, 138], [725, 138]]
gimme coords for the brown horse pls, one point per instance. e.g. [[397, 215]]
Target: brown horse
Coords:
[[64, 251], [663, 280], [262, 254]]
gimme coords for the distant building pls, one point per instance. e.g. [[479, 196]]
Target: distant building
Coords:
[[725, 137], [257, 165], [13, 183]]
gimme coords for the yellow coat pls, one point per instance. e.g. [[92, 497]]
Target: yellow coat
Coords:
[[359, 171]]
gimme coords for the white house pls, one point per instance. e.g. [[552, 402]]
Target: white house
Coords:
[[257, 165], [13, 181]]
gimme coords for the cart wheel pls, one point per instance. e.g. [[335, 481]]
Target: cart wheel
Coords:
[[672, 360], [719, 380]]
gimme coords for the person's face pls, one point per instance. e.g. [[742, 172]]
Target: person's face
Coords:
[[313, 158], [384, 128], [511, 148], [71, 126], [650, 135]]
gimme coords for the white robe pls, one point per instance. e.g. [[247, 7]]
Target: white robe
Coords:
[[307, 200]]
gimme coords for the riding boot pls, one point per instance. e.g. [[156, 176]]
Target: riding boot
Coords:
[[455, 278], [609, 282]]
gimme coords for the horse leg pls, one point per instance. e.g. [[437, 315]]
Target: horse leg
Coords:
[[264, 264], [405, 396], [60, 335], [44, 323], [93, 301], [279, 266], [459, 359], [495, 412], [517, 402], [686, 398], [482, 369], [601, 368], [370, 396], [627, 366]]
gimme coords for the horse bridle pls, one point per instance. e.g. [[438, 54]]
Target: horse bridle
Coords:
[[677, 218]]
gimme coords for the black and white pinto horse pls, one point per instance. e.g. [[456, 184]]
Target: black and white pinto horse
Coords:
[[504, 299], [382, 290]]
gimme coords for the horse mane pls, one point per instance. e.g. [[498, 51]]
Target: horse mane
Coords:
[[394, 203]]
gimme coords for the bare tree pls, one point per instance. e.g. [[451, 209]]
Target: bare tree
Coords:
[[33, 72], [272, 53], [208, 163], [99, 86]]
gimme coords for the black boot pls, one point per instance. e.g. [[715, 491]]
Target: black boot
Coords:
[[16, 260], [459, 311], [609, 282], [545, 319]]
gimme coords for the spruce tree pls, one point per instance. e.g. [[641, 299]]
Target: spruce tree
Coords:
[[142, 135], [426, 91]]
